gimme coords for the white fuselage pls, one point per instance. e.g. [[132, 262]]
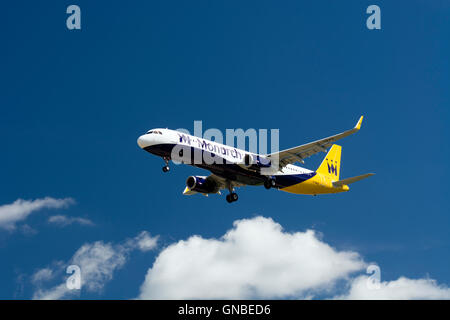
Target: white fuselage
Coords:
[[177, 140]]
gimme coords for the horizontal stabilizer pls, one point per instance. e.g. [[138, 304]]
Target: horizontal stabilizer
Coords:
[[340, 183]]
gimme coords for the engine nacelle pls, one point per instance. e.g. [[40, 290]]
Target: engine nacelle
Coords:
[[255, 162], [202, 184]]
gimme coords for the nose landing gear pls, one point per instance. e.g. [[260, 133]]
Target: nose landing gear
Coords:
[[166, 168]]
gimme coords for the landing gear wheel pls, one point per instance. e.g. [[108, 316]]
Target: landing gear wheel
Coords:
[[166, 167], [232, 197], [269, 183]]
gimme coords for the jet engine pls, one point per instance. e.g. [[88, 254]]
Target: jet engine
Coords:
[[202, 184]]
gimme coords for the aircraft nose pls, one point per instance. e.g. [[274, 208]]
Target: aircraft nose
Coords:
[[143, 141]]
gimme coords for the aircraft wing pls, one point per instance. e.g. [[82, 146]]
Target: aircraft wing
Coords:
[[304, 151]]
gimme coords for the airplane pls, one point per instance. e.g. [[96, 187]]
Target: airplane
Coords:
[[232, 167]]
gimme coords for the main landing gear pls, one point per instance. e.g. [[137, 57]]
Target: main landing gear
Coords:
[[269, 183], [166, 168], [232, 196]]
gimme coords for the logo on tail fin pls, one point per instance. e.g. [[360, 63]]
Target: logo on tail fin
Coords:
[[333, 168], [330, 165]]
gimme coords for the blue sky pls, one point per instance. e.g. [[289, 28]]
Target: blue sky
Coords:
[[74, 102]]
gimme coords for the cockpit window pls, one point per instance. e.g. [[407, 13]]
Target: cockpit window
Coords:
[[154, 132]]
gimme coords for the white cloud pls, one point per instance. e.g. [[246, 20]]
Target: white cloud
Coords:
[[145, 242], [400, 289], [44, 274], [27, 230], [255, 259], [20, 209], [97, 261], [63, 221], [55, 293]]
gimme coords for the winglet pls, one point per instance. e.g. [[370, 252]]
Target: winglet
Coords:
[[358, 125]]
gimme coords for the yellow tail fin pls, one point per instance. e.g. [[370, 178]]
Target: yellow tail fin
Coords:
[[331, 165]]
